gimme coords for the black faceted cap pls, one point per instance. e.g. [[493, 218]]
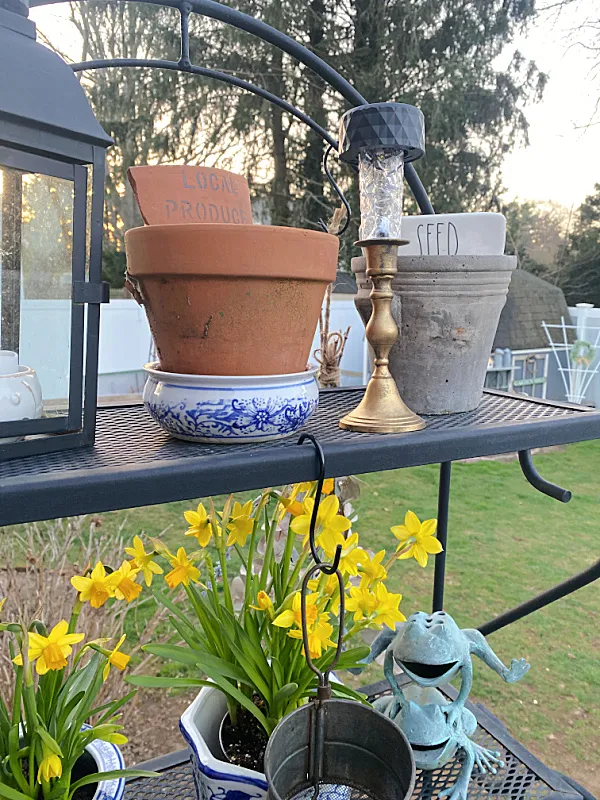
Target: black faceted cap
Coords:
[[382, 126]]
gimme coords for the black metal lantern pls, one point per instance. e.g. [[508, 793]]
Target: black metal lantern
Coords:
[[52, 162]]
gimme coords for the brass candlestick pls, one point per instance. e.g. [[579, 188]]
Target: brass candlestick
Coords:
[[382, 410]]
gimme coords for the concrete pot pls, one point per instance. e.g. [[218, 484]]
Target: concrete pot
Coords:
[[447, 310]]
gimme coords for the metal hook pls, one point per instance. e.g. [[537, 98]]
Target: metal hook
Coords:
[[539, 483], [328, 569], [324, 690], [339, 193]]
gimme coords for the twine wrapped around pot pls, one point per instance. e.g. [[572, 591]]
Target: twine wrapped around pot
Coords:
[[329, 354], [329, 357]]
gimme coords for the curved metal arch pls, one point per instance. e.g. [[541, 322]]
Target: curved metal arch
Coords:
[[192, 69], [256, 27], [186, 67]]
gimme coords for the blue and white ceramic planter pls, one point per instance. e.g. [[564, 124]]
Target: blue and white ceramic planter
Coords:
[[107, 757], [230, 409], [215, 778]]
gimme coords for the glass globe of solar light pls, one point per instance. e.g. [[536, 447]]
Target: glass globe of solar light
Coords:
[[380, 138], [381, 177]]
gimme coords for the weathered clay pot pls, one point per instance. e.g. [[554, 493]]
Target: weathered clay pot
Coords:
[[171, 195], [447, 310], [231, 299]]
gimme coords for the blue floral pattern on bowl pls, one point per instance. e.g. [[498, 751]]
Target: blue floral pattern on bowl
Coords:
[[108, 757], [225, 409]]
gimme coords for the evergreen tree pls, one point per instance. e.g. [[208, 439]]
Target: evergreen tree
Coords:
[[440, 55], [580, 278]]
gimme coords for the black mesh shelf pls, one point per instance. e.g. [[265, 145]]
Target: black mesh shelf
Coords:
[[133, 463], [522, 777]]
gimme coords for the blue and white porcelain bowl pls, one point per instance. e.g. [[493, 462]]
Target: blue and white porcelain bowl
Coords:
[[108, 757], [222, 409]]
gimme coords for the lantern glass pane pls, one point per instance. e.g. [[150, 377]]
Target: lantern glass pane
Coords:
[[36, 275]]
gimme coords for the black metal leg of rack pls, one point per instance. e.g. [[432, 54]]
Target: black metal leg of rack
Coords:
[[544, 599], [442, 534], [563, 589]]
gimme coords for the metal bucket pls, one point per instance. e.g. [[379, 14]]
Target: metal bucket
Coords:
[[351, 750]]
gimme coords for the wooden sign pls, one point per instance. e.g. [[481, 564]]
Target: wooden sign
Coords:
[[171, 195]]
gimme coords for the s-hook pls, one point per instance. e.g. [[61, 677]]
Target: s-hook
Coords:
[[324, 689], [328, 569], [539, 483], [339, 193]]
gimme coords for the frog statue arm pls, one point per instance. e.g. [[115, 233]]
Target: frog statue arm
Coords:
[[479, 647], [381, 643]]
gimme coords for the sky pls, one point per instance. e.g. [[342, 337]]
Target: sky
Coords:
[[562, 162]]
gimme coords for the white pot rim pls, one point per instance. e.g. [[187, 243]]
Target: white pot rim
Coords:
[[470, 214], [227, 381], [21, 372], [103, 754], [212, 766]]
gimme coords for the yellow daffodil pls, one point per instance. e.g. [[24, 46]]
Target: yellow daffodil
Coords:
[[330, 525], [352, 556], [362, 601], [293, 615], [200, 526], [2, 603], [264, 603], [183, 570], [51, 764], [291, 506], [328, 485], [327, 586], [115, 738], [241, 524], [417, 539], [96, 587], [302, 488], [319, 636], [307, 486], [116, 659], [387, 612], [124, 582], [143, 560], [371, 569], [50, 652]]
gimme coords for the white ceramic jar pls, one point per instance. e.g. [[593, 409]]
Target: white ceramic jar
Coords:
[[20, 391]]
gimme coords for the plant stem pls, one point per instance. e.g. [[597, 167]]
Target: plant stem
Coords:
[[270, 529], [297, 568]]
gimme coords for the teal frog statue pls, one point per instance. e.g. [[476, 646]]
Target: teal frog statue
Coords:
[[431, 650]]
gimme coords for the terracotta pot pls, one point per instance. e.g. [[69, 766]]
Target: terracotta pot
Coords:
[[231, 299], [171, 195]]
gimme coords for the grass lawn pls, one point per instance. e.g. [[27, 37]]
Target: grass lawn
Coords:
[[507, 542]]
